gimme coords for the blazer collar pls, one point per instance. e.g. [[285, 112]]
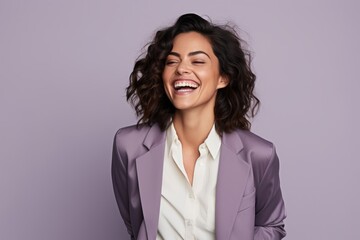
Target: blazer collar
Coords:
[[149, 168], [233, 174], [232, 141], [232, 177], [154, 137]]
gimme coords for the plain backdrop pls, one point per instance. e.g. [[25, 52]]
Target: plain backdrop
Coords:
[[63, 69]]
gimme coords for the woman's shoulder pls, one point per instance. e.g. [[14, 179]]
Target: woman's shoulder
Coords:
[[253, 141], [129, 139], [134, 136], [133, 130], [133, 133], [258, 151]]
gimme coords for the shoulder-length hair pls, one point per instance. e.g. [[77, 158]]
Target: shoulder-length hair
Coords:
[[235, 104]]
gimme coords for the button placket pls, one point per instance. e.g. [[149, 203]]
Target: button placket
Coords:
[[189, 230]]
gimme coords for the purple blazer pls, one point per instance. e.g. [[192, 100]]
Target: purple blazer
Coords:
[[249, 203]]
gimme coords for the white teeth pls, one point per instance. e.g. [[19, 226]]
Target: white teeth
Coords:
[[180, 84]]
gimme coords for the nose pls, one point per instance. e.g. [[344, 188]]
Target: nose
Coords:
[[182, 68]]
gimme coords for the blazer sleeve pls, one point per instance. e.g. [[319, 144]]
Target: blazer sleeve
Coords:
[[119, 179], [270, 209]]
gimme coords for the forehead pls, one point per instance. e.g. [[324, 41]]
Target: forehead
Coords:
[[191, 41]]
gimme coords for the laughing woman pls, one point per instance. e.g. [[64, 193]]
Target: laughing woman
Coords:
[[190, 168]]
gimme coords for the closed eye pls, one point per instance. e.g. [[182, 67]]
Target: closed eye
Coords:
[[198, 62], [171, 62]]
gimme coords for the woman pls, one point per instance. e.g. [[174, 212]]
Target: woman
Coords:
[[190, 168]]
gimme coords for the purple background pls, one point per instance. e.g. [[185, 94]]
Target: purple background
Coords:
[[63, 69]]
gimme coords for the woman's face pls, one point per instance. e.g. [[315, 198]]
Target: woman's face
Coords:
[[191, 75]]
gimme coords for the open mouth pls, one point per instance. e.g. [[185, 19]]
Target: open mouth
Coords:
[[185, 85]]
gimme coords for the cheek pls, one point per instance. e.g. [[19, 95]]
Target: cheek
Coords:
[[210, 77]]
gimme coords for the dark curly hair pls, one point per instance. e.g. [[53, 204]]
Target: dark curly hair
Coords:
[[235, 104]]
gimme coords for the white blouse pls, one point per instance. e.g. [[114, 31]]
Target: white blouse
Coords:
[[188, 212]]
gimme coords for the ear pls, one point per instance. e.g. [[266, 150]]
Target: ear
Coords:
[[223, 82]]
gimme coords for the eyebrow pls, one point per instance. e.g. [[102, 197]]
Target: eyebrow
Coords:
[[190, 54]]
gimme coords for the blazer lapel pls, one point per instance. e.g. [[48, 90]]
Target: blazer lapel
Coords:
[[232, 178], [149, 171]]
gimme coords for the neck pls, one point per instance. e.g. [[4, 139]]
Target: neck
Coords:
[[193, 128]]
